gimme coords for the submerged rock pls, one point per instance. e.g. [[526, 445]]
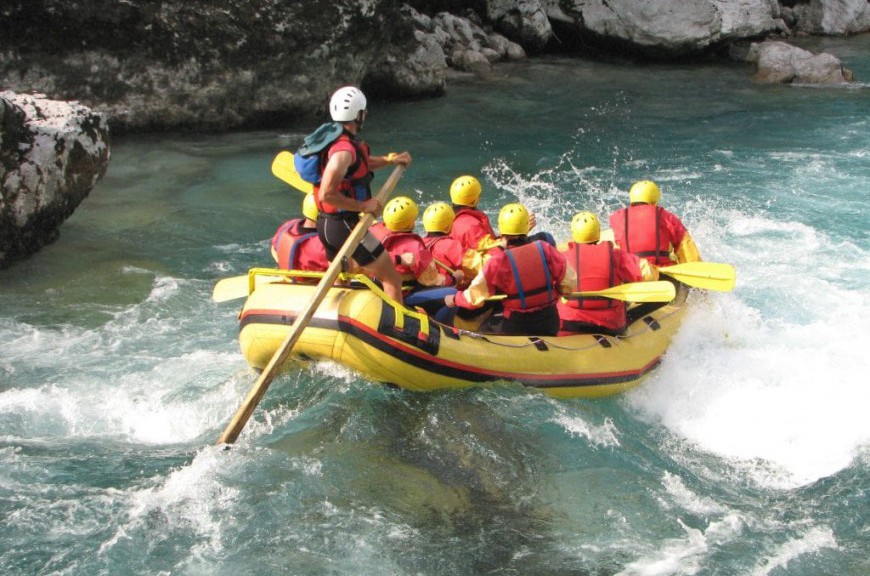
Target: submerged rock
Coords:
[[52, 154]]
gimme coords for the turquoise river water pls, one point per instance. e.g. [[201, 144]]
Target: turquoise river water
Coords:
[[746, 452]]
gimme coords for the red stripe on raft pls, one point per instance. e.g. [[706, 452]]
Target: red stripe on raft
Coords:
[[501, 374]]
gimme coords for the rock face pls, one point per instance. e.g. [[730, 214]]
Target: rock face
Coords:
[[51, 155], [214, 65], [228, 64], [828, 16]]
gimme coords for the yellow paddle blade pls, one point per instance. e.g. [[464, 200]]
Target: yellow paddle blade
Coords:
[[283, 169], [230, 289], [636, 292], [238, 286], [706, 275]]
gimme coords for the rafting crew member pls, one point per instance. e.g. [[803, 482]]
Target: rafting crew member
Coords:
[[296, 245], [471, 227], [651, 232], [423, 284], [344, 191], [531, 273], [598, 266], [447, 252]]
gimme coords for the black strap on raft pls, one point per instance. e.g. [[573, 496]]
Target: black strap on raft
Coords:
[[410, 331]]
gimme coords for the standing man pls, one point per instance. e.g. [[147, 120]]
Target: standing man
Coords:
[[650, 231], [344, 191], [598, 266]]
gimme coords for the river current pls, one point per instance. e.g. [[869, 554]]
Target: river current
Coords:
[[746, 452]]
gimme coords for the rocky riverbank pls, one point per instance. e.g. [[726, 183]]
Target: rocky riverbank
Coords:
[[231, 64]]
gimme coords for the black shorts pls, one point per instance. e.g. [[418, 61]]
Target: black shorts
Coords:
[[334, 229], [543, 322]]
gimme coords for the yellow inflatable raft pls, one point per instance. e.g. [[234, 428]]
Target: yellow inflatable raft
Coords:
[[358, 327]]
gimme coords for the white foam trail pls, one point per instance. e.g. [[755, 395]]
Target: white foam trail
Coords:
[[783, 383], [604, 435], [191, 498], [687, 555], [812, 541], [122, 380]]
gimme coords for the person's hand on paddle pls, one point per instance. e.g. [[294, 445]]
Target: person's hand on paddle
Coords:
[[458, 277], [372, 206], [399, 158], [406, 259], [450, 300]]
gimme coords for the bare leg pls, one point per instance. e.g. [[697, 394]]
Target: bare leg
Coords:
[[383, 270]]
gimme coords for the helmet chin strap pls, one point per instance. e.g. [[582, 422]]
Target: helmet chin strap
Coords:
[[360, 120]]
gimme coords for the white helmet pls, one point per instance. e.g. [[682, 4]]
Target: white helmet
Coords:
[[346, 104]]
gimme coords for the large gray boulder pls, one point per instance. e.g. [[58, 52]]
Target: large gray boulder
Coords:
[[526, 21], [51, 155], [667, 27], [781, 63], [829, 16]]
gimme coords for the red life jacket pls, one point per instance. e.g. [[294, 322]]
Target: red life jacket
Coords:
[[441, 253], [593, 264], [289, 240], [638, 229], [469, 226], [532, 285], [357, 179], [397, 243]]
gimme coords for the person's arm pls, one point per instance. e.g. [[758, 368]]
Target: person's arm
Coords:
[[333, 174], [687, 251], [472, 297], [568, 283], [391, 159], [630, 268], [683, 245], [430, 276]]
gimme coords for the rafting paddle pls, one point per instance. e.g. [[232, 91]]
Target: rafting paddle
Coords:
[[707, 275], [262, 384], [662, 291], [284, 169]]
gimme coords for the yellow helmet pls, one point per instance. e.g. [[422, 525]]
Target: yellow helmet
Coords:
[[400, 213], [465, 191], [645, 191], [585, 228], [513, 220], [309, 207], [438, 217]]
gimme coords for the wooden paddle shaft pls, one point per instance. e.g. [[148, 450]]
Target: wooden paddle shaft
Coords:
[[262, 384]]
